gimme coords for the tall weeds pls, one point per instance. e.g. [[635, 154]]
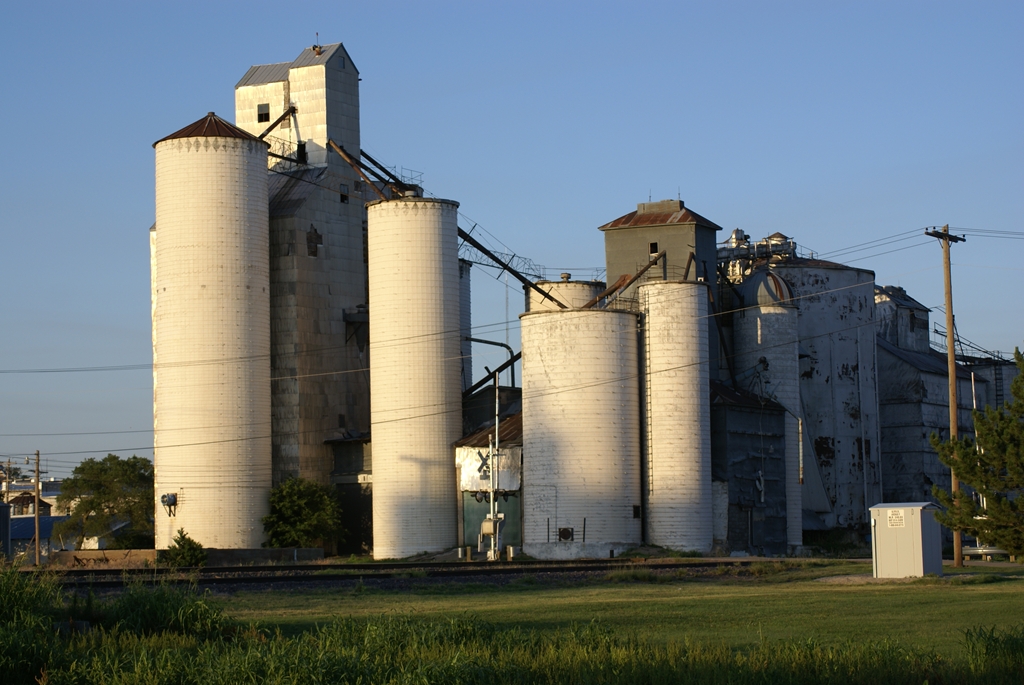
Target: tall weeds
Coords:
[[171, 635]]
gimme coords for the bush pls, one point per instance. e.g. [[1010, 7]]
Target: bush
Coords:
[[184, 552], [302, 514]]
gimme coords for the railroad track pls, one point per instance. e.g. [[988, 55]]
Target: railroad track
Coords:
[[334, 573]]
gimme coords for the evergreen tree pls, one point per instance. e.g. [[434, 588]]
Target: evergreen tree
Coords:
[[183, 552], [302, 514], [993, 467]]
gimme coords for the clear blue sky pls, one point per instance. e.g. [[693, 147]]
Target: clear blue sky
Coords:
[[835, 123]]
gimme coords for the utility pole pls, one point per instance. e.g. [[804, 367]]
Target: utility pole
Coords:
[[36, 508], [7, 482], [947, 239]]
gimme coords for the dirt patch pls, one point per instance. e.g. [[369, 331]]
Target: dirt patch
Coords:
[[863, 579]]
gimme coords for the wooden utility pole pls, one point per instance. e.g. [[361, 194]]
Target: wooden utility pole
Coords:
[[945, 238], [36, 508]]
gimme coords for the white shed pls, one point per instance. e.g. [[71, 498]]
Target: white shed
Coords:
[[906, 540]]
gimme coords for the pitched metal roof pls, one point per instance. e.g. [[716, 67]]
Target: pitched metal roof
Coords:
[[781, 261], [265, 73], [272, 73], [931, 361], [664, 213], [899, 296], [24, 527], [210, 126], [510, 433]]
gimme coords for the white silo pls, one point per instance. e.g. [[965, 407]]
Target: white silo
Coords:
[[573, 294], [581, 433], [211, 336], [415, 398], [767, 326], [466, 321], [678, 415]]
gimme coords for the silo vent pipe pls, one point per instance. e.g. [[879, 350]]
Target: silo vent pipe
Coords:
[[511, 355]]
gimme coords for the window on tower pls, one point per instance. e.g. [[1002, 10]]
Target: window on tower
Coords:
[[313, 239], [344, 193], [263, 113]]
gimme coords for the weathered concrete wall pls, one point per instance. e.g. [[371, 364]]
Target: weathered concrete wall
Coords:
[[320, 376], [915, 404], [748, 448], [837, 382]]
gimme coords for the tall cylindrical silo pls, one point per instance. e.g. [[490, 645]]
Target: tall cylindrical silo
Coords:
[[211, 336], [678, 414], [768, 327], [415, 391], [573, 294], [466, 322], [581, 433]]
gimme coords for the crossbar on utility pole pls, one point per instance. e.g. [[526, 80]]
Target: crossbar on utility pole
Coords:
[[946, 239]]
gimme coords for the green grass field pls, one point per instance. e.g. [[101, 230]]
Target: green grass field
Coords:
[[766, 623], [761, 605]]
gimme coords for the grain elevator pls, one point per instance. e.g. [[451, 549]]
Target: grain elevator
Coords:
[[312, 318]]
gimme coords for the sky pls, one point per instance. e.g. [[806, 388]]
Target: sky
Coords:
[[841, 124]]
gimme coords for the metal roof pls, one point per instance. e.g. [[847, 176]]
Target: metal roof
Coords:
[[24, 527], [510, 433], [899, 296], [288, 190], [725, 394], [674, 212], [809, 262], [931, 361], [272, 73], [265, 73], [210, 126]]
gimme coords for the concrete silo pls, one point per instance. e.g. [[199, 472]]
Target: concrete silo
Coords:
[[573, 294], [416, 399], [767, 327], [677, 479], [211, 336], [581, 433]]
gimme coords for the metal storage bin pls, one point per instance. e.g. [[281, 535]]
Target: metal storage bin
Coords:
[[906, 540]]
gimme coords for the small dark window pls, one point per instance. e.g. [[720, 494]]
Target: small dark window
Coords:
[[636, 511], [300, 153], [313, 239], [262, 113], [654, 248], [344, 193]]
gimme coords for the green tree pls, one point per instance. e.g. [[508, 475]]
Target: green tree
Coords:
[[993, 467], [102, 495], [302, 514], [183, 552]]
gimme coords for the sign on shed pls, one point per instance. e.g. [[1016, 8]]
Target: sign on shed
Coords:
[[906, 540]]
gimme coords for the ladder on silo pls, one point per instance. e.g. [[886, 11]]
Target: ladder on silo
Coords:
[[998, 372]]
